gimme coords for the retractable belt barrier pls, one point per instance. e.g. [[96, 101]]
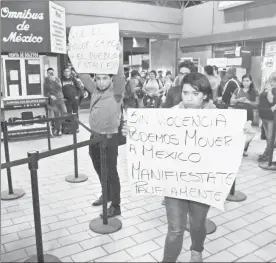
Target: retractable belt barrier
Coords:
[[32, 161], [11, 193]]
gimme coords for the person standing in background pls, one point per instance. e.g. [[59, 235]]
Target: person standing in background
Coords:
[[168, 84], [153, 89], [143, 76], [267, 107], [217, 75], [224, 95], [53, 90], [72, 91], [209, 73], [246, 97], [130, 98], [174, 93], [75, 75], [160, 77]]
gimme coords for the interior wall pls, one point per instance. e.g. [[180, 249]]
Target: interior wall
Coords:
[[202, 53], [163, 55], [206, 18], [141, 18]]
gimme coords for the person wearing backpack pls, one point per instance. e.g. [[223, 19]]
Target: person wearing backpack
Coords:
[[130, 97], [224, 96], [153, 91]]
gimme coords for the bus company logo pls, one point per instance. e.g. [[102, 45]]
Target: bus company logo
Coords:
[[26, 14], [18, 37]]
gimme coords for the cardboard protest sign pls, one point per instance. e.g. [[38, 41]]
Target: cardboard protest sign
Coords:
[[93, 48], [187, 154]]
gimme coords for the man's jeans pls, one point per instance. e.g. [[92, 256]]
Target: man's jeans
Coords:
[[114, 188], [268, 127], [59, 109], [72, 106], [177, 211]]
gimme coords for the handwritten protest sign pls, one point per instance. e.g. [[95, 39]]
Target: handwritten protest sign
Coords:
[[93, 48], [187, 154]]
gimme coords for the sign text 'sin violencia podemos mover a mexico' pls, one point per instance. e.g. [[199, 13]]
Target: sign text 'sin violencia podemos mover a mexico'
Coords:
[[187, 154]]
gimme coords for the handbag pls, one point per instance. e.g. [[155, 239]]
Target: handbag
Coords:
[[121, 137]]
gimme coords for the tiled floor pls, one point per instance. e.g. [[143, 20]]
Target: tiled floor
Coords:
[[246, 231]]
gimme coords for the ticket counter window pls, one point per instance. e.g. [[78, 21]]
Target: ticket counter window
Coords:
[[22, 77]]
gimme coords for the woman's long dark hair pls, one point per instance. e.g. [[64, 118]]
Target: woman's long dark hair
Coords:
[[251, 91]]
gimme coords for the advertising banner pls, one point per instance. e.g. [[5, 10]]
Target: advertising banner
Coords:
[[27, 26]]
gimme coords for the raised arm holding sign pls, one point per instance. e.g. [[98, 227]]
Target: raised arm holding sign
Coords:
[[93, 48], [97, 49]]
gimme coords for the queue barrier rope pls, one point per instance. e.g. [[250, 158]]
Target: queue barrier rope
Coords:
[[32, 161], [11, 193], [50, 153], [99, 225]]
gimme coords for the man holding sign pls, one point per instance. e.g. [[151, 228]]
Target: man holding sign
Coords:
[[96, 49], [186, 158]]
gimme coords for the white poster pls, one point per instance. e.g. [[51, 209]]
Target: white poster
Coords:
[[14, 90], [34, 78], [187, 154], [13, 75], [219, 62], [57, 28], [34, 61], [270, 48], [93, 49]]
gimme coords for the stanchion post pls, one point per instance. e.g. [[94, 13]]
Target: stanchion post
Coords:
[[103, 225], [39, 257], [10, 194], [235, 196], [76, 177], [48, 129], [232, 191], [103, 145]]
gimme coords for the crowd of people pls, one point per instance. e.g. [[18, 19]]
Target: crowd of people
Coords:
[[188, 90], [152, 90]]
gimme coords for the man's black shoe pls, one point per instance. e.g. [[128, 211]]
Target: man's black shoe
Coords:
[[113, 211]]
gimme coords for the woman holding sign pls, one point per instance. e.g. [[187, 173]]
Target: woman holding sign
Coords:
[[196, 94]]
